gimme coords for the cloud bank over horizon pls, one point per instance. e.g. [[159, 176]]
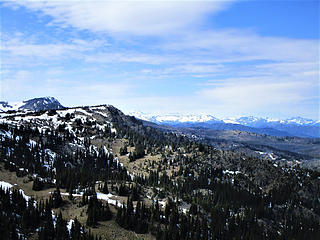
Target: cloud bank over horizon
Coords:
[[213, 57]]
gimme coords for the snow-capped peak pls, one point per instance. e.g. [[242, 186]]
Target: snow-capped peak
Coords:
[[35, 104], [300, 121], [175, 118]]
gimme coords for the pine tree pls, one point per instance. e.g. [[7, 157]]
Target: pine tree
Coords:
[[37, 185], [61, 231], [56, 199], [105, 188]]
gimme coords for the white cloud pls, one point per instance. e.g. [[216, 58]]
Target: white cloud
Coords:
[[23, 52], [27, 48], [17, 83], [262, 96], [243, 95], [198, 68], [240, 45], [271, 73], [161, 104], [177, 41], [127, 57], [24, 85], [306, 70], [93, 93], [126, 17]]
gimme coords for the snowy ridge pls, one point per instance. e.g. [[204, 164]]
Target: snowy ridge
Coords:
[[35, 104], [296, 126], [203, 118], [249, 121], [190, 118]]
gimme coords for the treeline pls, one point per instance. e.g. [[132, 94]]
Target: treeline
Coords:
[[49, 160], [97, 210], [134, 219], [21, 219], [225, 212]]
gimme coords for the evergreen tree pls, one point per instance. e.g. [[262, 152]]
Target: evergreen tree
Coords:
[[105, 188]]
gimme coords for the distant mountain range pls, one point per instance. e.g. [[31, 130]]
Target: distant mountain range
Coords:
[[296, 126], [35, 105]]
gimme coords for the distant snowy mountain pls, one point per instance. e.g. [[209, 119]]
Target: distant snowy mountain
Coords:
[[296, 126], [35, 104], [176, 118], [262, 122], [301, 121]]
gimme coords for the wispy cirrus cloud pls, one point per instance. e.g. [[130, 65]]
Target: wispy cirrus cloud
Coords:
[[28, 47], [241, 45], [123, 56], [176, 41]]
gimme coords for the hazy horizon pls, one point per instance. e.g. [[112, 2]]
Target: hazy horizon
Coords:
[[223, 58]]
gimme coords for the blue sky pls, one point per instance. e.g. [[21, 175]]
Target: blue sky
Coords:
[[225, 58]]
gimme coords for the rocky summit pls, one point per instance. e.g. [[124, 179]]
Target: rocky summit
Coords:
[[35, 104]]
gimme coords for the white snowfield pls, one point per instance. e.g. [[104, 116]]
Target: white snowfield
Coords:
[[100, 196], [230, 172], [174, 117], [69, 224], [5, 185], [73, 194], [107, 198], [162, 203], [46, 121], [187, 118]]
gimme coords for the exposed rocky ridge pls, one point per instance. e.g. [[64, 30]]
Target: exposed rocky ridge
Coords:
[[35, 104]]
